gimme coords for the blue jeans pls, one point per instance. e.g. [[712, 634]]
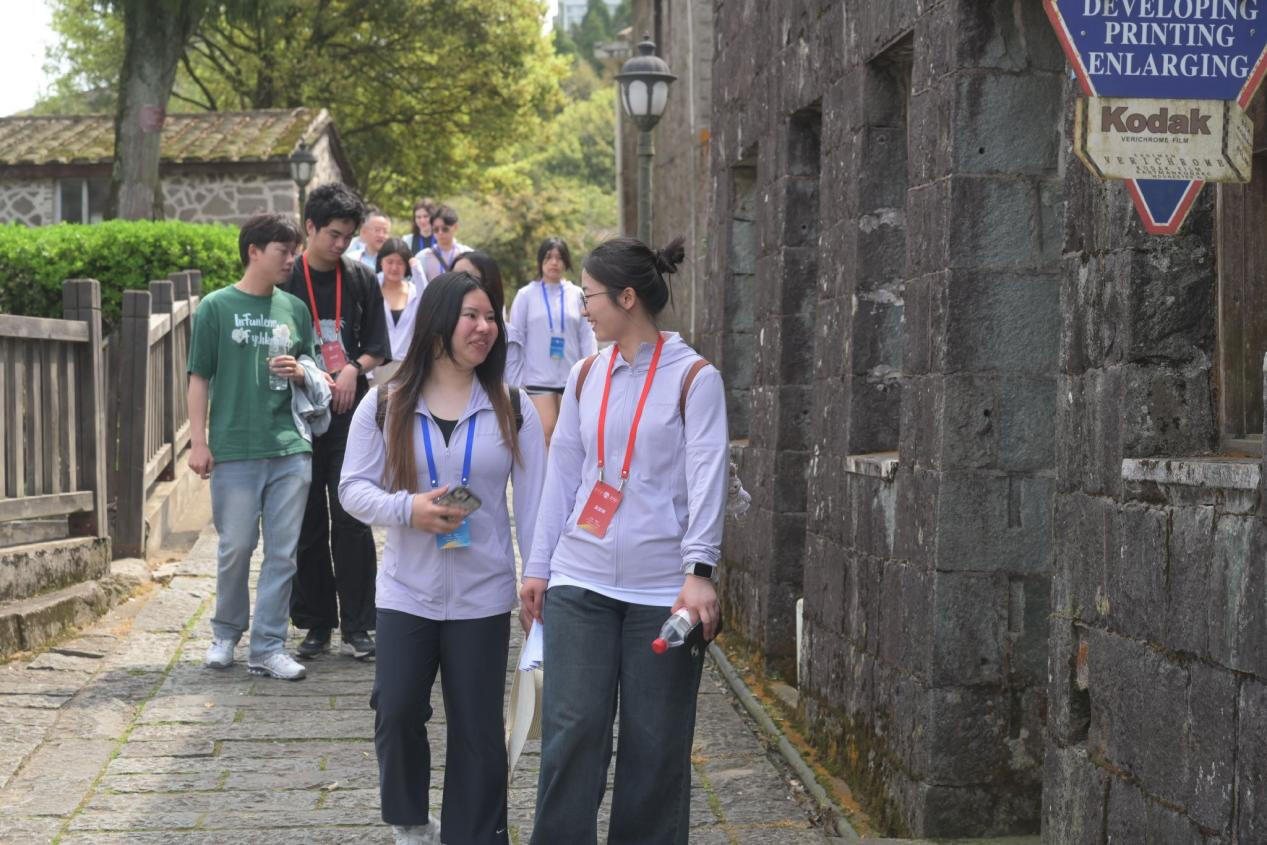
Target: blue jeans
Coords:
[[598, 660], [243, 492]]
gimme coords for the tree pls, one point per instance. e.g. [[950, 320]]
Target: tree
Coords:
[[155, 33], [425, 93]]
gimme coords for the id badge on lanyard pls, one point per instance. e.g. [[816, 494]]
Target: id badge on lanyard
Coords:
[[604, 500], [460, 537], [333, 356], [556, 340]]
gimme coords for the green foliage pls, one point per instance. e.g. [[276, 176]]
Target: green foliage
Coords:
[[424, 93], [122, 255]]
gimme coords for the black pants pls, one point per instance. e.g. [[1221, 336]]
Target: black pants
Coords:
[[336, 556], [471, 657], [599, 663]]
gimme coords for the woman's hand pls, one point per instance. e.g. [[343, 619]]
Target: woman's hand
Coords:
[[699, 596], [426, 515], [532, 595]]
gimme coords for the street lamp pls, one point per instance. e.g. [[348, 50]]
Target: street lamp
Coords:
[[302, 165], [644, 92]]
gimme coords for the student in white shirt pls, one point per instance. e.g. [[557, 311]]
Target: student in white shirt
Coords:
[[441, 257], [547, 324], [623, 538], [446, 585], [400, 302]]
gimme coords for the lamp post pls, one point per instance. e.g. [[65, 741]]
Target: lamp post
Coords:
[[302, 165], [644, 92]]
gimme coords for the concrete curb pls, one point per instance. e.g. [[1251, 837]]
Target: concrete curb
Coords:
[[833, 813]]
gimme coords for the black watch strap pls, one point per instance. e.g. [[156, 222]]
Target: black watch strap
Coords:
[[704, 570], [355, 362]]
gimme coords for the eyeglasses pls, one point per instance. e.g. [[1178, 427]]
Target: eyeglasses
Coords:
[[585, 297], [444, 229]]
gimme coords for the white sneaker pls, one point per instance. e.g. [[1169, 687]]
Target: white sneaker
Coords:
[[219, 654], [418, 834], [279, 664]]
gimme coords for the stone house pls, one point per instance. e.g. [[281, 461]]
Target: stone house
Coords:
[[1004, 446], [216, 167]]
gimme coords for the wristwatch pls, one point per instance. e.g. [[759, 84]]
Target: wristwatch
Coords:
[[703, 570], [355, 362]]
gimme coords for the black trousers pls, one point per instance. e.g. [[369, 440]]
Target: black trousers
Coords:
[[337, 563], [470, 655]]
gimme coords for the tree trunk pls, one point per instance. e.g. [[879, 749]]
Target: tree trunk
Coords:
[[155, 35]]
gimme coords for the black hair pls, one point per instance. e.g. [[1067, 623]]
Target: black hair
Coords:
[[395, 246], [544, 250], [490, 275], [629, 263], [439, 310], [429, 205], [264, 229], [334, 201], [448, 215]]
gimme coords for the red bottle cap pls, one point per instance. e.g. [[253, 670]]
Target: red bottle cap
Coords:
[[659, 645]]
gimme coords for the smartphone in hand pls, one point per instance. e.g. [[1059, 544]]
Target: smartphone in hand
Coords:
[[460, 496]]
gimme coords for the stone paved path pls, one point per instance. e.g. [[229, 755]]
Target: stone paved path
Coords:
[[121, 736]]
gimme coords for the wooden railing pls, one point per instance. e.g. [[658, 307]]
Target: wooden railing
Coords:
[[53, 457], [153, 413]]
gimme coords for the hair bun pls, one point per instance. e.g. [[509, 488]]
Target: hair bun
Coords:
[[668, 258]]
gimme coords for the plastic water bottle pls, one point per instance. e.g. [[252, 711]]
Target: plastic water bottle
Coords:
[[277, 346], [674, 632]]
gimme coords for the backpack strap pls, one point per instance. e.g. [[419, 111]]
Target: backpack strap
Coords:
[[516, 405], [380, 412], [584, 374], [686, 385]]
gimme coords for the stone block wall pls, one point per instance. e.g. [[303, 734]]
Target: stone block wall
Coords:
[[226, 197], [902, 399], [1156, 672]]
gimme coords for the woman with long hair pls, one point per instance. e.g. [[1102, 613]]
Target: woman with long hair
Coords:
[[629, 532], [432, 465], [545, 319], [484, 268]]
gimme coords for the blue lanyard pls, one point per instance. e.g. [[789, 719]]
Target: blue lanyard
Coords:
[[466, 462], [545, 297]]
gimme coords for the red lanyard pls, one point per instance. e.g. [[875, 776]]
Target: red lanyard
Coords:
[[642, 403], [338, 297]]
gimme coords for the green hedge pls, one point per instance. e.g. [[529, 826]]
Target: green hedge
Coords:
[[121, 254]]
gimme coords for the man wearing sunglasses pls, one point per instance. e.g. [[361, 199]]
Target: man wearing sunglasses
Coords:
[[441, 257]]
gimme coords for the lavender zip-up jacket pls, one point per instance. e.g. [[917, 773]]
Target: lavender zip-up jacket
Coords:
[[415, 577], [675, 499]]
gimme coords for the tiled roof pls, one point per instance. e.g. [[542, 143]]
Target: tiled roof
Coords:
[[263, 135]]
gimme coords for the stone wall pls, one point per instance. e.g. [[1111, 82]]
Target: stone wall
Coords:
[[27, 201], [903, 163], [226, 197], [681, 190], [1158, 645]]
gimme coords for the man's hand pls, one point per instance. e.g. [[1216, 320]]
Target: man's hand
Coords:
[[699, 596], [200, 460], [426, 515], [532, 596], [344, 389], [287, 366]]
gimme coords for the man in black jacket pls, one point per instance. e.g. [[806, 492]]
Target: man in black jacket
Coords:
[[337, 562]]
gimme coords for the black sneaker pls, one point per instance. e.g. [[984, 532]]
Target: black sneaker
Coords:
[[317, 642], [359, 644]]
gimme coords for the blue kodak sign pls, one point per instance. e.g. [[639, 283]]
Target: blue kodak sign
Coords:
[[1164, 49]]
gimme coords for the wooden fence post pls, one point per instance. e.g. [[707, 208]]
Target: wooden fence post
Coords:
[[162, 301], [182, 340], [81, 300], [134, 390]]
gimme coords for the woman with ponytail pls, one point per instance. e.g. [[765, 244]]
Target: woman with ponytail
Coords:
[[446, 585], [629, 531]]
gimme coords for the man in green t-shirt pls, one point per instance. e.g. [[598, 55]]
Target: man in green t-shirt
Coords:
[[244, 359]]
